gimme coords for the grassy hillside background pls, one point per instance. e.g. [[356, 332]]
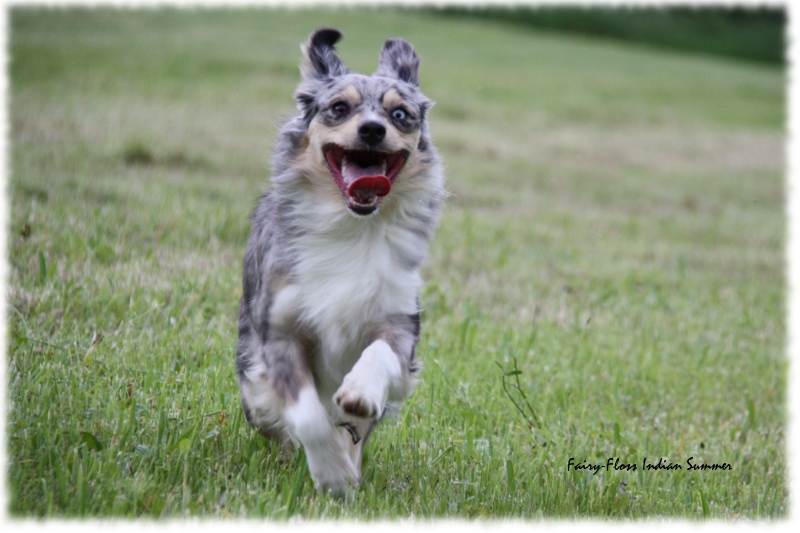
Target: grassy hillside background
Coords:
[[752, 33], [607, 282]]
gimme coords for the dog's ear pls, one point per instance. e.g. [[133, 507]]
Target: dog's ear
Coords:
[[399, 60], [319, 56]]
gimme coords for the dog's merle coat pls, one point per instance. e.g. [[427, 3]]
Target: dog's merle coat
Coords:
[[329, 317]]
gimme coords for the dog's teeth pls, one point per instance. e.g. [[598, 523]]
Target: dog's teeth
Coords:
[[383, 167], [344, 163]]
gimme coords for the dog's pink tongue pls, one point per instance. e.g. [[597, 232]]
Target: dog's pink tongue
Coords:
[[365, 183], [365, 188]]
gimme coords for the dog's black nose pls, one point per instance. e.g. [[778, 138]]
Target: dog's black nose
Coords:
[[371, 132]]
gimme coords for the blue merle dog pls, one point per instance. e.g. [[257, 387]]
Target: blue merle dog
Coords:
[[329, 316]]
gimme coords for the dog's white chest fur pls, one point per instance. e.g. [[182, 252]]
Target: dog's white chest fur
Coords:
[[349, 280]]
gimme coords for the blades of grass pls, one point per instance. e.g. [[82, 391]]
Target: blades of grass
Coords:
[[703, 503], [42, 268], [185, 491], [456, 394], [128, 429], [91, 441], [162, 427], [291, 489], [511, 482], [442, 454], [524, 407]]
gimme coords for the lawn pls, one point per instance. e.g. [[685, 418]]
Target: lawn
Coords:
[[607, 281]]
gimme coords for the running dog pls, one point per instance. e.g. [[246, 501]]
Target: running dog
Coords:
[[329, 315]]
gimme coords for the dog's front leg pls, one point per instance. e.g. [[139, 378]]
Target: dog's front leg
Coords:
[[279, 397], [326, 449], [384, 373], [374, 378]]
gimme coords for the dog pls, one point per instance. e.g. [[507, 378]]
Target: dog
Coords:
[[329, 317]]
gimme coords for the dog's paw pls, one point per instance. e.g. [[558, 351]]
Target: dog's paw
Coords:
[[358, 402], [365, 389], [331, 467], [339, 480]]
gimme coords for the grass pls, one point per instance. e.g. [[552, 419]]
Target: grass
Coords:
[[607, 281], [747, 33]]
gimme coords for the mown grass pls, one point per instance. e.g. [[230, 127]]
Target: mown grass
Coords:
[[607, 280]]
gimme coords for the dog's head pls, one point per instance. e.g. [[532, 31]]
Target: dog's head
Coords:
[[361, 133]]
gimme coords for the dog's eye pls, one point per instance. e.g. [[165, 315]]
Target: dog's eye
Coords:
[[340, 109], [399, 114]]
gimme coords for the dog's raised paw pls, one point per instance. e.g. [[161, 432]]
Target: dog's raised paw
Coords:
[[353, 403]]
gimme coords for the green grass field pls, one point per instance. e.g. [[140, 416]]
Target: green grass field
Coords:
[[615, 234]]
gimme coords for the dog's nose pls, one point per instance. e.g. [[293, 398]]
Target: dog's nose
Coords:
[[372, 132]]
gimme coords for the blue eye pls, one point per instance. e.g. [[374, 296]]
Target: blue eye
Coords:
[[399, 114]]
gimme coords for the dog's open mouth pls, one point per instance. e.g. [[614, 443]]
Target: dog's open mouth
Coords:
[[364, 176]]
